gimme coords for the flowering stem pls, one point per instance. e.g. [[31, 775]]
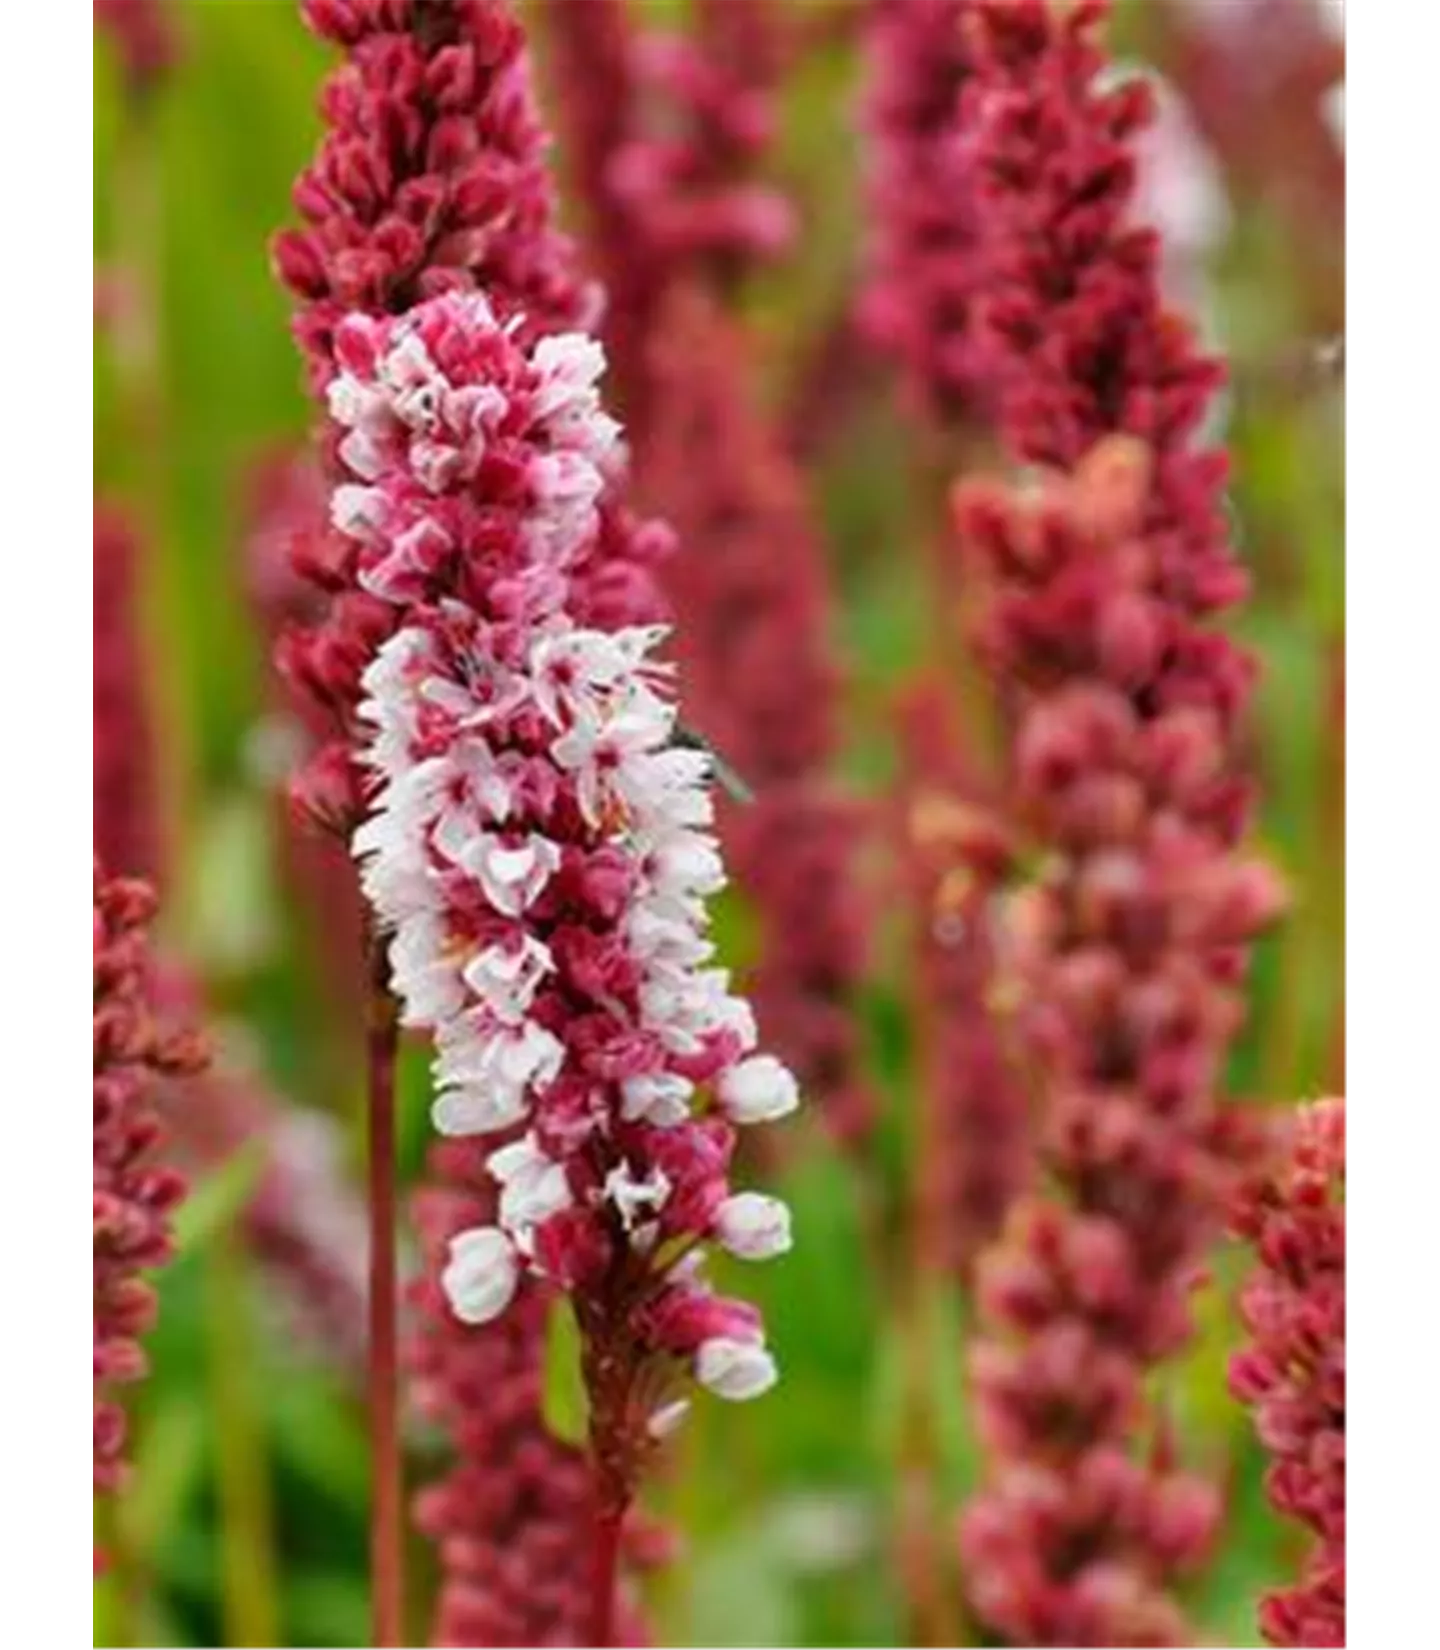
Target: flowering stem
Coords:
[[386, 1541], [609, 1379], [604, 1573]]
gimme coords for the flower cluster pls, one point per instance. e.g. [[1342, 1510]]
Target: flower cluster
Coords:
[[759, 676], [431, 176], [126, 829], [540, 847], [1126, 958], [134, 1195], [431, 179], [515, 1508], [922, 214], [1293, 1373]]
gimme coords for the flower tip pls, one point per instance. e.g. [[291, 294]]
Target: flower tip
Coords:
[[753, 1227], [480, 1279], [758, 1090], [735, 1370]]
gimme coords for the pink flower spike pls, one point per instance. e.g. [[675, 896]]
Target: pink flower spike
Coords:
[[1293, 1373], [598, 1025], [135, 1195]]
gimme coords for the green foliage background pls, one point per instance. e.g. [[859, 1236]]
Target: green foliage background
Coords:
[[245, 1523]]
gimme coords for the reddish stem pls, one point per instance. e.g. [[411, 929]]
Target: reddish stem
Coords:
[[386, 1536], [605, 1569]]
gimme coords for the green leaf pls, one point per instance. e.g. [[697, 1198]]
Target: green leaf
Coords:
[[216, 1201], [564, 1404], [318, 1434], [169, 1459], [327, 1607]]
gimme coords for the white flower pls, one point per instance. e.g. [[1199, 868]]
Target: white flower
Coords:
[[533, 1187], [480, 1279], [661, 1100], [435, 463], [467, 1108], [512, 876], [667, 787], [753, 1226], [488, 1073], [607, 750], [505, 978], [407, 367], [477, 791], [569, 666], [426, 980], [570, 364], [687, 863], [358, 512], [735, 1369], [758, 1090], [663, 941], [356, 405], [633, 1197]]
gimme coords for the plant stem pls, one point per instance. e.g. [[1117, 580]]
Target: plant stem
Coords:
[[386, 1533], [605, 1570]]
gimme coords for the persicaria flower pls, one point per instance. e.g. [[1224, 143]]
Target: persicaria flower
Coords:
[[515, 1504], [1293, 1373], [126, 827], [541, 848], [134, 1194]]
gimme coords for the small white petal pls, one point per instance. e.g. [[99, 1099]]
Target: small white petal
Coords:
[[662, 1099], [482, 1109], [735, 1369], [481, 1276], [635, 1198], [358, 512], [758, 1090], [752, 1226]]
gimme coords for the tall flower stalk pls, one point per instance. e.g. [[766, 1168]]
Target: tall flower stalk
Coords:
[[1293, 1372], [1125, 961], [541, 850], [1100, 580], [135, 1192], [430, 178]]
